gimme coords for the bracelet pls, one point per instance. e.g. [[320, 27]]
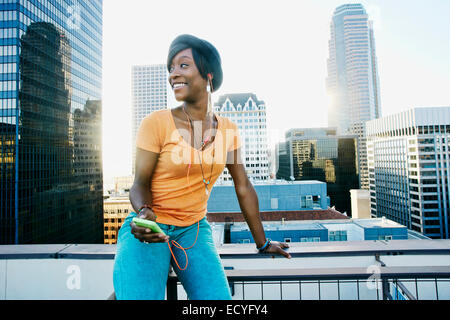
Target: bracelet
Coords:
[[265, 246], [146, 206]]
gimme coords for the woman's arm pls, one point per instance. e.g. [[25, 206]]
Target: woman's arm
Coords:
[[248, 201], [141, 194]]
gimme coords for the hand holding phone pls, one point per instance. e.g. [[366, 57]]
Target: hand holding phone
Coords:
[[147, 231], [144, 223]]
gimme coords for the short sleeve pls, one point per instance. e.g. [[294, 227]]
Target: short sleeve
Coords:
[[234, 138], [149, 134]]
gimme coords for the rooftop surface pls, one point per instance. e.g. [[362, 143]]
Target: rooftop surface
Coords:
[[377, 223], [277, 225], [320, 224]]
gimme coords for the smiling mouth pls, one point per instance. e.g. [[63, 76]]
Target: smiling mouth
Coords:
[[179, 85]]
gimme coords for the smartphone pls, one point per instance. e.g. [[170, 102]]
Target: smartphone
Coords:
[[148, 224]]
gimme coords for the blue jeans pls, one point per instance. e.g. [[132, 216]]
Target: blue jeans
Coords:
[[141, 270]]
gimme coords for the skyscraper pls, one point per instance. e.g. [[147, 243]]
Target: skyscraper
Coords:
[[249, 114], [409, 165], [150, 92], [50, 122], [352, 82]]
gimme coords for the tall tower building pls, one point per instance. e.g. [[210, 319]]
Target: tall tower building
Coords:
[[409, 161], [50, 122], [249, 114], [352, 82], [150, 91]]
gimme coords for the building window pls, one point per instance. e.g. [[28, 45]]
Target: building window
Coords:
[[274, 203], [310, 239], [337, 235]]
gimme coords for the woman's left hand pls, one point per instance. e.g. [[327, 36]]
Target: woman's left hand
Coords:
[[278, 248]]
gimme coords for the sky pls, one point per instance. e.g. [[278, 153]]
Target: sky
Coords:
[[275, 49]]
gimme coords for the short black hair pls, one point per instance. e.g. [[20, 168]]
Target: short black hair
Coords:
[[206, 57]]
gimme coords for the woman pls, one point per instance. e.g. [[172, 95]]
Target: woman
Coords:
[[180, 154]]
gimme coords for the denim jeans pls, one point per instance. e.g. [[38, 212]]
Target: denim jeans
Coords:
[[141, 270]]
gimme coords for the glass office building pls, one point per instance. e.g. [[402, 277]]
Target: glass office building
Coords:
[[320, 154], [409, 161], [352, 81], [50, 121]]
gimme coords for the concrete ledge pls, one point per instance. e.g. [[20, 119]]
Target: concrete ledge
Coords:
[[31, 251], [85, 271], [297, 249]]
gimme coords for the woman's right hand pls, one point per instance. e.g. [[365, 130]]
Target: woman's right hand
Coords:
[[145, 234]]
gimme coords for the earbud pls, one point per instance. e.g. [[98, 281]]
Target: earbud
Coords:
[[209, 85]]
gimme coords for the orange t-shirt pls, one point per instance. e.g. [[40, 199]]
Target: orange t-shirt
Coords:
[[179, 196]]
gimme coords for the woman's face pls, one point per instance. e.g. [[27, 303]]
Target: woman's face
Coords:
[[185, 79]]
